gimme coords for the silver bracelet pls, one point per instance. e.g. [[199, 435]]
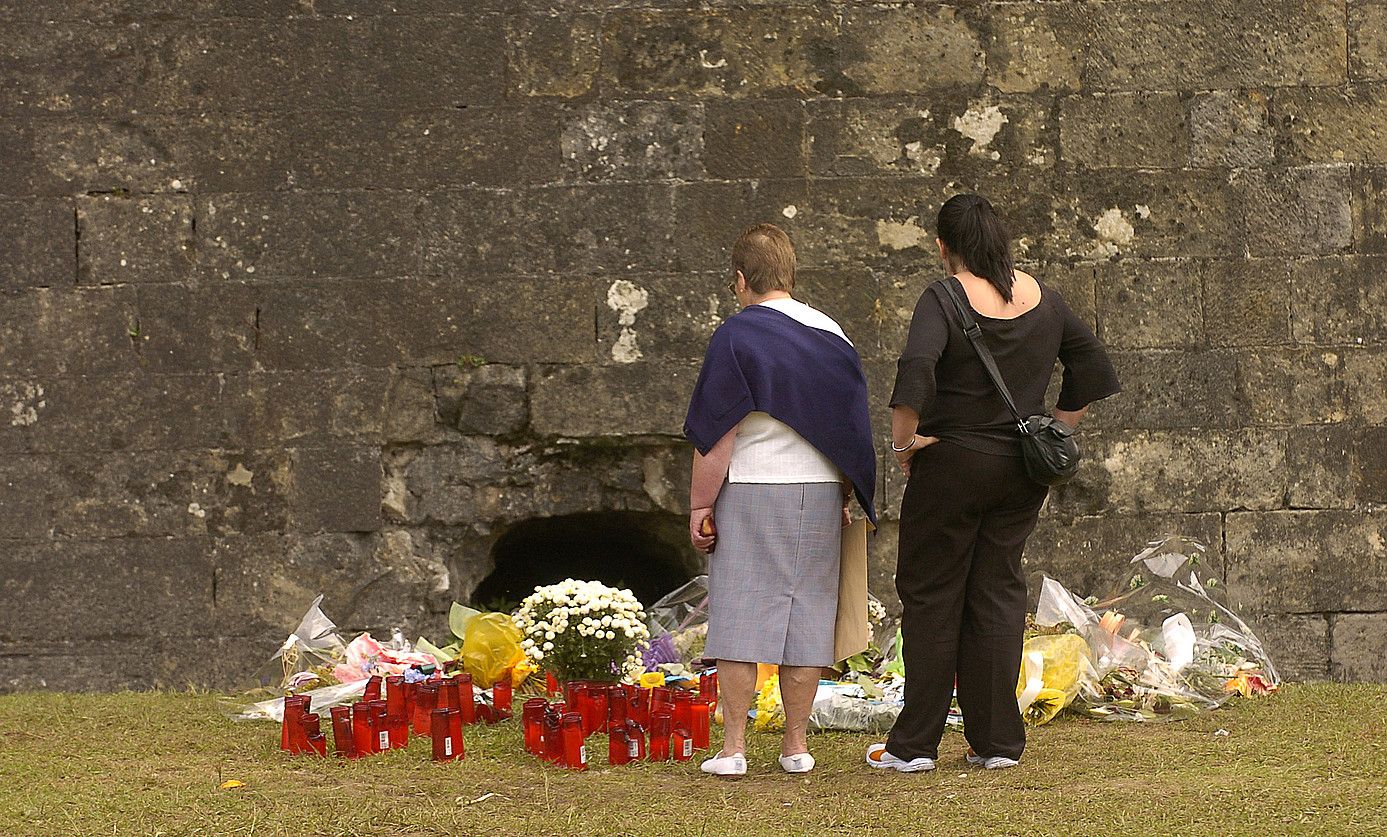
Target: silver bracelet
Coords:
[[904, 449]]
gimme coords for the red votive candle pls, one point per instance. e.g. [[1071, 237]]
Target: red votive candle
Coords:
[[532, 719], [640, 706], [380, 726], [372, 688], [551, 683], [553, 736], [600, 697], [501, 694], [467, 697], [683, 704], [396, 712], [361, 728], [425, 701], [660, 725], [314, 742], [618, 746], [575, 751], [446, 733], [293, 707], [618, 707], [681, 745], [342, 741], [701, 712], [635, 735], [708, 686]]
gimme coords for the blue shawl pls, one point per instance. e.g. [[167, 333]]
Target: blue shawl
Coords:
[[764, 360]]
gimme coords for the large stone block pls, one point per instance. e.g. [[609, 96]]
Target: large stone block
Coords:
[[1166, 389], [77, 331], [1333, 125], [553, 55], [421, 62], [570, 229], [1364, 372], [1370, 449], [111, 412], [1091, 556], [375, 149], [709, 216], [1340, 300], [1151, 304], [661, 317], [80, 67], [74, 154], [124, 10], [634, 141], [482, 400], [1369, 198], [865, 220], [1038, 46], [1367, 32], [1307, 561], [1231, 128], [1294, 386], [317, 325], [109, 587], [1177, 471], [411, 412], [1298, 644], [1108, 212], [1185, 45], [737, 52], [1296, 211], [281, 234], [148, 238], [1359, 652], [336, 489], [1325, 467], [1247, 302], [211, 326], [906, 50], [754, 139], [619, 400], [37, 243], [852, 297], [1136, 130], [30, 493], [272, 409]]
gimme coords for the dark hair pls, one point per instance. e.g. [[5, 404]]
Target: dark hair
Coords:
[[766, 258], [975, 234]]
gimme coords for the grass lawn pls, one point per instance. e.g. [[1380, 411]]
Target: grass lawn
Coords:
[[1310, 760]]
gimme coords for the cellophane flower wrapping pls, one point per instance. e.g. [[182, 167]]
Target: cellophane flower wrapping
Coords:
[[583, 630], [309, 654], [682, 614], [1164, 648]]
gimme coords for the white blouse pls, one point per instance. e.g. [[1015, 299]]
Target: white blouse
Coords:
[[769, 451]]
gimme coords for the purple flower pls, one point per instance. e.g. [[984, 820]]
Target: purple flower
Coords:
[[660, 651]]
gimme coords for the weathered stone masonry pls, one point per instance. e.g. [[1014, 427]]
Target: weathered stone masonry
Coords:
[[304, 296]]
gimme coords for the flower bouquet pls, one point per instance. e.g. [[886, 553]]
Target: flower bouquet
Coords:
[[583, 630]]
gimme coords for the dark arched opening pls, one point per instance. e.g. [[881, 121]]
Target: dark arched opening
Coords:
[[644, 551]]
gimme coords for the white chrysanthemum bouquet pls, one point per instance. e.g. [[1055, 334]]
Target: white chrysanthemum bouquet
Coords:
[[583, 630]]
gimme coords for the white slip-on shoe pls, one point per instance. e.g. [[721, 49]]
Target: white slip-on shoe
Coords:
[[992, 762], [798, 763], [733, 765], [879, 758]]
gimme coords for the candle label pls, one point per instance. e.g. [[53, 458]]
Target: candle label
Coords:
[[448, 746], [633, 749], [385, 740], [688, 747], [583, 754]]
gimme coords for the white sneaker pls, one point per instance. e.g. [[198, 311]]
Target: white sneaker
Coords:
[[992, 762], [733, 765], [879, 758], [798, 763]]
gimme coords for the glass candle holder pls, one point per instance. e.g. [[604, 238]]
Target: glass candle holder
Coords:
[[342, 742], [372, 688], [680, 745], [701, 713], [425, 702], [635, 734], [361, 728], [446, 732], [599, 698], [553, 736], [661, 725], [683, 706], [532, 720], [501, 695], [618, 746], [575, 751], [396, 715], [467, 697]]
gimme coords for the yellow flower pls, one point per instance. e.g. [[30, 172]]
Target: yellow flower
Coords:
[[770, 712]]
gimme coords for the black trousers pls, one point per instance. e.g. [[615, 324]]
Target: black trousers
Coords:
[[965, 518]]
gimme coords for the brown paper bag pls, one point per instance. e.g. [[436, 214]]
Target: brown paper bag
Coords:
[[851, 632]]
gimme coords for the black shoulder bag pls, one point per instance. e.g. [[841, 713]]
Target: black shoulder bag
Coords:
[[1047, 444]]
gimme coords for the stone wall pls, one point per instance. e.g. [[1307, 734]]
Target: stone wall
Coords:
[[307, 296]]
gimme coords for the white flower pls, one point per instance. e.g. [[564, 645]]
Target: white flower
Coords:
[[548, 646]]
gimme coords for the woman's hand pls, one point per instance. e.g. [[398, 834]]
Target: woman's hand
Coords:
[[702, 531], [917, 444]]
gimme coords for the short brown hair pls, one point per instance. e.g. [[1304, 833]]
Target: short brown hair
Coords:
[[766, 258]]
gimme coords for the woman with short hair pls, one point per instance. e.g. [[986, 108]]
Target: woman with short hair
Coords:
[[969, 505], [782, 431]]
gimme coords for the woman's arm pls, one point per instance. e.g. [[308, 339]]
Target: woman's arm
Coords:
[[1071, 417], [709, 473], [905, 442]]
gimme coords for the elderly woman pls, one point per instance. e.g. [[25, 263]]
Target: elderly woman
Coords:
[[969, 504], [782, 432]]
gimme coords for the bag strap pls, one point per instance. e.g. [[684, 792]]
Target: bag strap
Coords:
[[973, 332]]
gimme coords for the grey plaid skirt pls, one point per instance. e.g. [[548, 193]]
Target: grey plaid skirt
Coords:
[[773, 576]]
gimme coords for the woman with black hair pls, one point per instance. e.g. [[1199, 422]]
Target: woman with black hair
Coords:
[[969, 504]]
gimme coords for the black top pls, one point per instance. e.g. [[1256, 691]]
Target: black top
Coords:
[[940, 376]]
